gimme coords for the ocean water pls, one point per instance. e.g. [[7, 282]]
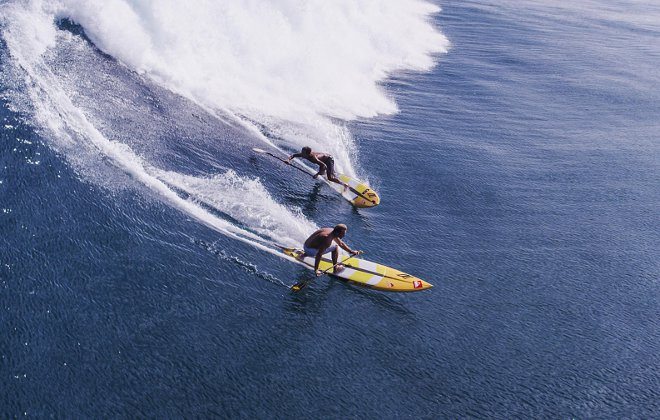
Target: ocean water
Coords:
[[514, 145]]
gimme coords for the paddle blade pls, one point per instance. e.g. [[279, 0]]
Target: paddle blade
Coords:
[[258, 150], [299, 286]]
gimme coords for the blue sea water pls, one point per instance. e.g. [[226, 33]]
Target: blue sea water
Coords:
[[520, 176]]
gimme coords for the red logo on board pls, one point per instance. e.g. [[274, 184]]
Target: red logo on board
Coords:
[[417, 284]]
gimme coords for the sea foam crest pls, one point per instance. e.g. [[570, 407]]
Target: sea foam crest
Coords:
[[282, 58], [296, 69]]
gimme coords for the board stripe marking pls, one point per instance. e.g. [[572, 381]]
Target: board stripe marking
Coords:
[[366, 271]]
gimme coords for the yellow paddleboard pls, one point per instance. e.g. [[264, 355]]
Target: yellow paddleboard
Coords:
[[366, 273], [359, 194]]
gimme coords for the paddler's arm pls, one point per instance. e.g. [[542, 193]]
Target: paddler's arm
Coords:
[[346, 248], [295, 155]]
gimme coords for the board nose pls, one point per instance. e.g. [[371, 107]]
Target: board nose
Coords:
[[421, 285]]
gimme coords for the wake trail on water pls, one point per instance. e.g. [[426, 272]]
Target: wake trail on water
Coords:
[[227, 193], [264, 221], [289, 73]]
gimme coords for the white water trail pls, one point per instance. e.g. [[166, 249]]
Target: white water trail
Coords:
[[45, 86], [72, 133], [288, 69], [244, 200]]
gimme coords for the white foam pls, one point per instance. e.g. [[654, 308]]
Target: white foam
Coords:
[[270, 60], [293, 67], [247, 201], [26, 23], [288, 59], [73, 134]]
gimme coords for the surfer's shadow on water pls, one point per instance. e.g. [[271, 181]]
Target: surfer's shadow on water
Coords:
[[364, 219], [307, 202], [316, 199], [310, 202]]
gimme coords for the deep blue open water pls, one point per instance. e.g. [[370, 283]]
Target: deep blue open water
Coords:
[[521, 177]]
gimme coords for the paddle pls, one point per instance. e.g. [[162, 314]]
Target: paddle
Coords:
[[300, 285], [353, 190], [256, 149]]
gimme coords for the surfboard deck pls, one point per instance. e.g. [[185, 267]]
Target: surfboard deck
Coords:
[[365, 273], [367, 197]]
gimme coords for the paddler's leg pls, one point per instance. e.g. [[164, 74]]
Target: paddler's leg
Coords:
[[331, 173], [308, 252]]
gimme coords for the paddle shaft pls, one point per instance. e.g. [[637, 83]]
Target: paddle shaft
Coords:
[[353, 190], [298, 286], [288, 163], [340, 262]]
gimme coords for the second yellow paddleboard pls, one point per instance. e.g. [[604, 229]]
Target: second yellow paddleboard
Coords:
[[359, 194], [366, 273]]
